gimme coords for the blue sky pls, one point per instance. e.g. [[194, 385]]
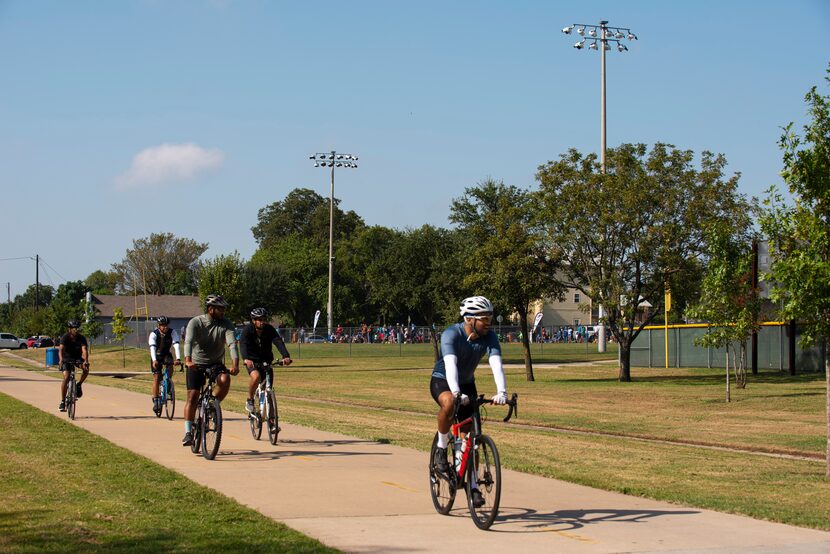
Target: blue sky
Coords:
[[120, 119]]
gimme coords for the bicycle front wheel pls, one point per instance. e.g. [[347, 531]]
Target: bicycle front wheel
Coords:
[[170, 400], [211, 428], [255, 421], [71, 398], [442, 486], [484, 470], [272, 412]]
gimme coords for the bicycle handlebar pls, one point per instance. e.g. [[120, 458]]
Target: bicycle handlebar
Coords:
[[513, 405]]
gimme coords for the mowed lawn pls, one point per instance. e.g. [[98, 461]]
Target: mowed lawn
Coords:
[[67, 490], [387, 398]]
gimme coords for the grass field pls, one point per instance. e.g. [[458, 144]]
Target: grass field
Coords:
[[387, 399], [67, 490]]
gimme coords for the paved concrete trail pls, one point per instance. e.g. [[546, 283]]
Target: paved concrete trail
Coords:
[[361, 496]]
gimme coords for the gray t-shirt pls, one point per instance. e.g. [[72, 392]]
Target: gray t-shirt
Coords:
[[205, 340]]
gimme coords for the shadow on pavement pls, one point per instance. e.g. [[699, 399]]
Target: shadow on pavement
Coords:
[[258, 455], [569, 520]]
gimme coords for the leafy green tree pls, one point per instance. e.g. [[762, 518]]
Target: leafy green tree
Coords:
[[120, 330], [506, 258], [71, 292], [799, 234], [155, 262], [225, 275], [626, 234], [43, 294], [102, 282], [266, 285], [91, 326], [304, 213], [306, 267], [729, 299]]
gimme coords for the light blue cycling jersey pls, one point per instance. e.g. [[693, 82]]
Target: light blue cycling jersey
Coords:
[[469, 353]]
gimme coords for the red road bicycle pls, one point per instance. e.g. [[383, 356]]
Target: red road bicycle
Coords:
[[478, 463]]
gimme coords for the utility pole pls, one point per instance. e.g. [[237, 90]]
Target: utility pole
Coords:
[[37, 281]]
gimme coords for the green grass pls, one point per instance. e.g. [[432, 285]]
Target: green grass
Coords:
[[67, 490], [388, 399]]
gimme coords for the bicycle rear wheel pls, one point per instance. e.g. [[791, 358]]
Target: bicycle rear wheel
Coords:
[[211, 428], [484, 469], [273, 416], [442, 487], [196, 430], [255, 420], [170, 399], [71, 398]]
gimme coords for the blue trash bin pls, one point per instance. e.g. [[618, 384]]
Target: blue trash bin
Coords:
[[51, 356]]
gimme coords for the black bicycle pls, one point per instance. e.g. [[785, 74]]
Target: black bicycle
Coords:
[[71, 398], [207, 426], [168, 390], [482, 468], [266, 408]]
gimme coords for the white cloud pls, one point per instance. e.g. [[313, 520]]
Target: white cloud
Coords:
[[169, 163]]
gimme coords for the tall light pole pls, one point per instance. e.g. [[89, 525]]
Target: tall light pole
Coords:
[[601, 37], [331, 160]]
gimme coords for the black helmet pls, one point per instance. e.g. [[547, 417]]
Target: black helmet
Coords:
[[259, 313], [73, 324], [216, 300], [162, 320]]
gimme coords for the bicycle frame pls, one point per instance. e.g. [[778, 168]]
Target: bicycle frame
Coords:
[[475, 432]]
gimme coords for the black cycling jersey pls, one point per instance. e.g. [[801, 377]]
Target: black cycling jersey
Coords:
[[72, 346], [257, 347]]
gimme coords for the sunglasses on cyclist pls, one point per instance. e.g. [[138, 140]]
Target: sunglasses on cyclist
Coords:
[[485, 318]]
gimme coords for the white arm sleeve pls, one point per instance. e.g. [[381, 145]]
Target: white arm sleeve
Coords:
[[176, 347], [498, 372], [152, 341], [450, 364]]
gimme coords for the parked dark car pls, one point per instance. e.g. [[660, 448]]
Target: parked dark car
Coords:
[[43, 342]]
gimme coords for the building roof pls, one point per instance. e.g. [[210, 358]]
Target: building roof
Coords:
[[173, 306]]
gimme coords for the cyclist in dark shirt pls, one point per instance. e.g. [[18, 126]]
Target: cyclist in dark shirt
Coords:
[[161, 340], [72, 350], [255, 344]]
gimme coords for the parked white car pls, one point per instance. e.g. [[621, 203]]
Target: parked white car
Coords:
[[7, 340]]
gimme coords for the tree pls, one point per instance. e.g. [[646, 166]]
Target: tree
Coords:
[[120, 330], [303, 213], [266, 285], [306, 267], [505, 257], [799, 234], [624, 235], [225, 275], [91, 326], [102, 282], [729, 300], [43, 294], [153, 263]]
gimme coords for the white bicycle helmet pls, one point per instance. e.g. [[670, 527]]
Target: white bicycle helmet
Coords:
[[476, 305]]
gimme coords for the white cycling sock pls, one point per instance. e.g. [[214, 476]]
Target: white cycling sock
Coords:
[[443, 440]]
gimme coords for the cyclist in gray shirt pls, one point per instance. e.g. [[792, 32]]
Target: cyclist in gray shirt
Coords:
[[204, 345]]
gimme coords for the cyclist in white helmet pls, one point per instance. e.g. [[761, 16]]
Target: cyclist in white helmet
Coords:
[[462, 347]]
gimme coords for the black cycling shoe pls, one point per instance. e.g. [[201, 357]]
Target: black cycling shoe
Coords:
[[441, 460], [62, 406], [478, 500], [188, 439], [78, 390]]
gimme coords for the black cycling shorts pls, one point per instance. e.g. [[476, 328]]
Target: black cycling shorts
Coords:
[[163, 361], [258, 367], [69, 365], [196, 377], [438, 385]]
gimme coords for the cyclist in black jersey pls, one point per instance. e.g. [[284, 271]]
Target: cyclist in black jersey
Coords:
[[73, 349], [255, 344], [161, 340]]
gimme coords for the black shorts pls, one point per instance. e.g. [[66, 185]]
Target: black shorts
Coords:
[[196, 377], [69, 365], [438, 385], [163, 361], [258, 367]]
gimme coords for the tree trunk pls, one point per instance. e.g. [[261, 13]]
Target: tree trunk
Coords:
[[526, 346], [728, 396], [827, 407], [625, 360]]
